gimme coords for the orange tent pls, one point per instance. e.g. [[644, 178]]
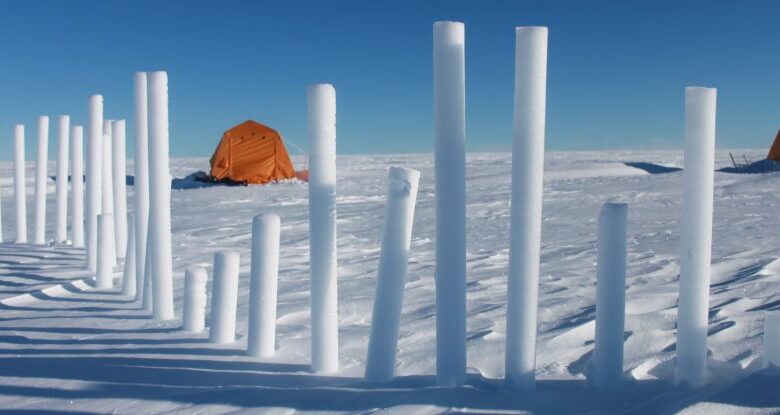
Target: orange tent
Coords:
[[774, 152], [251, 153]]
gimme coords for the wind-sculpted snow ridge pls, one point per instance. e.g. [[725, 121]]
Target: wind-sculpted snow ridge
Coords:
[[70, 348]]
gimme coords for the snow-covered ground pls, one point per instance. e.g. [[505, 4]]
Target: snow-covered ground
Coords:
[[70, 348]]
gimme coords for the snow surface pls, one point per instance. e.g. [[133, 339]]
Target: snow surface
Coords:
[[65, 347]]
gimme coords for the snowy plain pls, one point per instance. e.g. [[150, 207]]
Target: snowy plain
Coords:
[[66, 347]]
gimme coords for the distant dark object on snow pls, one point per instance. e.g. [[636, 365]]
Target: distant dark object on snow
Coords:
[[651, 168], [763, 166]]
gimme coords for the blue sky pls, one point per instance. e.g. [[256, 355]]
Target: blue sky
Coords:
[[617, 69]]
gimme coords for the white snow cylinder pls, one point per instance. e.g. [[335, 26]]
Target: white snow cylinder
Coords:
[[105, 268], [129, 276], [696, 236], [322, 228], [262, 286], [160, 197], [107, 205], [224, 297], [449, 108], [40, 180], [119, 164], [94, 178], [147, 300], [526, 209], [63, 145], [77, 186], [194, 316], [772, 339], [20, 193], [391, 276], [141, 178], [606, 365]]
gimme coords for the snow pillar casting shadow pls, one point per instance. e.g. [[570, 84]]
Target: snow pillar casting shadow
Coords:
[[40, 181], [194, 315], [107, 183], [605, 369], [160, 198], [526, 210], [94, 178], [105, 269], [322, 228], [63, 144], [20, 193], [141, 180], [772, 339], [120, 188], [696, 236], [391, 276], [449, 107], [129, 276], [224, 298], [77, 186], [263, 285]]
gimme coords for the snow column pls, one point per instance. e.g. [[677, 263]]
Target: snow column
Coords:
[[160, 197], [263, 284], [40, 180], [77, 186], [526, 210], [607, 361], [105, 242], [449, 107], [391, 275], [129, 276], [322, 228], [107, 183], [224, 297], [63, 144], [94, 178], [120, 189], [772, 339], [194, 315], [20, 192], [141, 179], [696, 236]]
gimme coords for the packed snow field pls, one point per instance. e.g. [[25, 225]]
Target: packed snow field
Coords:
[[66, 347]]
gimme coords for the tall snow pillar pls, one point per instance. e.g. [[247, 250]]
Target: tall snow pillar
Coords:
[[77, 185], [20, 191], [696, 236], [322, 228], [63, 145], [107, 183], [449, 108], [194, 316], [224, 297], [119, 164], [160, 197], [105, 269], [772, 339], [263, 283], [94, 178], [526, 210], [141, 178], [40, 180], [606, 365], [391, 275], [129, 276]]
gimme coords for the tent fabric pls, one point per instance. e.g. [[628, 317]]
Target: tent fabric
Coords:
[[774, 152], [252, 153]]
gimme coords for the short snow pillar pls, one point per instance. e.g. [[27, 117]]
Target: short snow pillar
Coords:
[[105, 242], [772, 339], [94, 178], [129, 287], [525, 228], [606, 365], [264, 277], [322, 228], [449, 108], [391, 276], [160, 197], [40, 180], [20, 191], [696, 236], [77, 186], [194, 315], [63, 145], [119, 163], [224, 297]]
